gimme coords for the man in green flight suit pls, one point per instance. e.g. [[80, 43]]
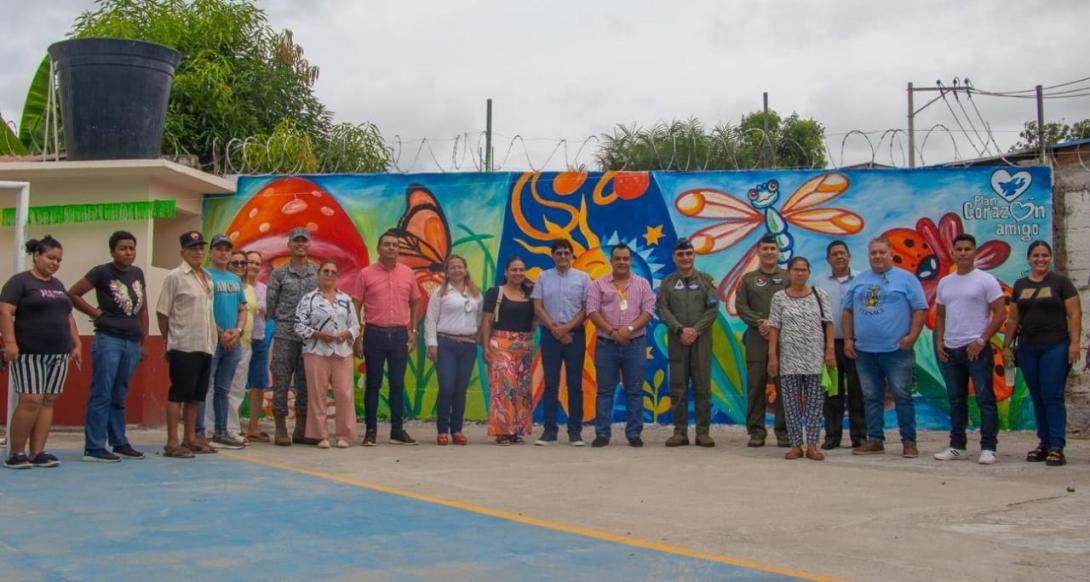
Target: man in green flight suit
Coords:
[[688, 305], [752, 301]]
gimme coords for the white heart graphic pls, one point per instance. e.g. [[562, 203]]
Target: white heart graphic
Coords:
[[1010, 187], [1021, 210]]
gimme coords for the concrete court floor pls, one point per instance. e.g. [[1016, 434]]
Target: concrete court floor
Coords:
[[849, 517]]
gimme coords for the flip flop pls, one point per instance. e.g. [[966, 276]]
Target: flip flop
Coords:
[[178, 452], [262, 437], [200, 449]]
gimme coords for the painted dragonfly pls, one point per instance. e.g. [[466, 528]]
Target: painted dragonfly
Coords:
[[738, 218]]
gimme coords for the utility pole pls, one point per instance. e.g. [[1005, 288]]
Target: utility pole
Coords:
[[911, 129], [1041, 145], [765, 142], [488, 137]]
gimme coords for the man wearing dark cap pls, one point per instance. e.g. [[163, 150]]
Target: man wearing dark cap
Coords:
[[229, 309], [688, 305], [184, 313], [286, 286]]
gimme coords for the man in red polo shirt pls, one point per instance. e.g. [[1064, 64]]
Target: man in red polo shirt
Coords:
[[390, 300]]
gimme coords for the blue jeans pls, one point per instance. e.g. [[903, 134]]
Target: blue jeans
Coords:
[[454, 365], [113, 360], [222, 372], [1045, 369], [571, 356], [957, 370], [626, 364], [385, 347], [876, 371]]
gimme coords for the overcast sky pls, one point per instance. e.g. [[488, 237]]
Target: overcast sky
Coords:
[[573, 69]]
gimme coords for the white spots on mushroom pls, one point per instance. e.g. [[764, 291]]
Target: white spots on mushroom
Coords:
[[233, 236], [253, 213], [316, 193], [264, 227], [312, 226], [294, 207], [327, 211]]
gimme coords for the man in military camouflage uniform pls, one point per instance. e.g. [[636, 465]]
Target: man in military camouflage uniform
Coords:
[[752, 301], [286, 286], [688, 306]]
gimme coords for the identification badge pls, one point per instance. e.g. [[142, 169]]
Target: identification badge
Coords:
[[624, 304]]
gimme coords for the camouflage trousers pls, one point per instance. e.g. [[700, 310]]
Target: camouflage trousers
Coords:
[[285, 361]]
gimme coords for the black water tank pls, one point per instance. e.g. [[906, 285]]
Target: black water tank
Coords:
[[113, 96]]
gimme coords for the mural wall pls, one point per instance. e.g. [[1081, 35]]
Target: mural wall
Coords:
[[489, 218]]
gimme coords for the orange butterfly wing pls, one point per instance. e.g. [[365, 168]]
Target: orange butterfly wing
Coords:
[[423, 238], [738, 218], [801, 210]]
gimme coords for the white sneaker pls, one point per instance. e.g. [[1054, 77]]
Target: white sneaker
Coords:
[[987, 458], [950, 454], [578, 443]]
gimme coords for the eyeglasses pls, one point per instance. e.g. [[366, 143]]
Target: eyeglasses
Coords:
[[238, 263], [329, 272]]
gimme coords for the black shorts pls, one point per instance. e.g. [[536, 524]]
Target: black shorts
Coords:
[[188, 376]]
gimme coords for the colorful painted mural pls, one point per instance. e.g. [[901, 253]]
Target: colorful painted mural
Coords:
[[490, 217]]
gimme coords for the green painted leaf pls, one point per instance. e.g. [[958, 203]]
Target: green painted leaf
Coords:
[[32, 124]]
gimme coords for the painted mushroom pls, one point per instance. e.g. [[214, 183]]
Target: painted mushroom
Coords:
[[263, 224]]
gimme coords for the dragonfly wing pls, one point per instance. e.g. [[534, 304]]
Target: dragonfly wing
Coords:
[[816, 190], [706, 203], [715, 238], [728, 288], [835, 221]]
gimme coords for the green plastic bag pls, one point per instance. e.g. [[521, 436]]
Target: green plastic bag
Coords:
[[828, 380]]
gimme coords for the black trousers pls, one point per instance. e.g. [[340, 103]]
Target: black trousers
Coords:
[[849, 394]]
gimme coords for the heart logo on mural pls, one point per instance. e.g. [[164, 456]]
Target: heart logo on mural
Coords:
[[1010, 187], [1021, 210]]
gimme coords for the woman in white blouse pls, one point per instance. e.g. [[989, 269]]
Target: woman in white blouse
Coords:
[[451, 329], [328, 325]]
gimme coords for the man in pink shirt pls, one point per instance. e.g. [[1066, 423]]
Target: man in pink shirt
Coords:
[[621, 306], [390, 300]]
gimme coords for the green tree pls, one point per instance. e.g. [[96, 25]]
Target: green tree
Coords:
[[1055, 132], [238, 81], [687, 145]]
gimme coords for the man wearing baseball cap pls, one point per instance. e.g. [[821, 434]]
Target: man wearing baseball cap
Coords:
[[286, 286], [229, 309], [184, 313]]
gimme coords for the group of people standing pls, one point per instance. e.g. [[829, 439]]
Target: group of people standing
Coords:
[[225, 332]]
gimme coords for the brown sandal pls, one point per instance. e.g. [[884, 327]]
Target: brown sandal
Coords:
[[199, 448], [261, 437], [1037, 455], [179, 452]]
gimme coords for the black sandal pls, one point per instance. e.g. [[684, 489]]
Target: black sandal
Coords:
[[1055, 458], [1037, 455]]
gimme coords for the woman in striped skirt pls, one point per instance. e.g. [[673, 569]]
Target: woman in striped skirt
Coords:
[[40, 337]]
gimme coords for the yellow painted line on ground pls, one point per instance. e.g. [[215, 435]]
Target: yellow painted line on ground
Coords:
[[544, 523]]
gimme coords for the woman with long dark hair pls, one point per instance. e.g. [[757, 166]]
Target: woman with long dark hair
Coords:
[[451, 331], [40, 337], [507, 335], [1046, 321]]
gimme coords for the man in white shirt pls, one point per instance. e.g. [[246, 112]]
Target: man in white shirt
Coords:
[[969, 305]]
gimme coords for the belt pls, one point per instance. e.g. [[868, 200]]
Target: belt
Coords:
[[630, 339], [469, 338], [368, 326]]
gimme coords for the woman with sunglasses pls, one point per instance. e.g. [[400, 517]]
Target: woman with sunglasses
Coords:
[[257, 376], [451, 331], [1046, 321], [237, 392], [507, 333], [328, 324]]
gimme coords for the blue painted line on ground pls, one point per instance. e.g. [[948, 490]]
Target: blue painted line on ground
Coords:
[[216, 519]]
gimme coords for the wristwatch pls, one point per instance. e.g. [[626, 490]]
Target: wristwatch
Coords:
[[630, 329], [979, 341]]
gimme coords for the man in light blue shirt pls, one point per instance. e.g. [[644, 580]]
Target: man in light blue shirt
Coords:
[[848, 391], [884, 312], [558, 298], [228, 309]]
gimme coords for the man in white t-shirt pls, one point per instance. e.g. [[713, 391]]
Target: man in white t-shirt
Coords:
[[969, 305]]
